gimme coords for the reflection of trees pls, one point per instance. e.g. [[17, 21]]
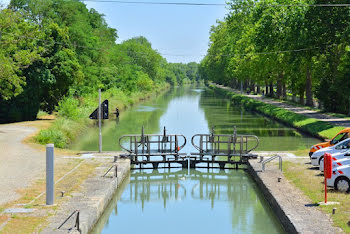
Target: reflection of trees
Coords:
[[130, 122], [234, 187], [156, 186]]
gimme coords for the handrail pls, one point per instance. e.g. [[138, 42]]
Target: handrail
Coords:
[[269, 160], [77, 220], [116, 170], [145, 140], [232, 138]]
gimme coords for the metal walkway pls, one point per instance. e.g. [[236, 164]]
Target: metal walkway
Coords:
[[213, 150]]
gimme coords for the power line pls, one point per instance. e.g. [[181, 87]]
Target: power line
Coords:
[[159, 3], [215, 4]]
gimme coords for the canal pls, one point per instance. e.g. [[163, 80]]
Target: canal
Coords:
[[191, 201]]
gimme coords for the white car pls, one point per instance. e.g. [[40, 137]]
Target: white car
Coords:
[[340, 179], [338, 159], [340, 147]]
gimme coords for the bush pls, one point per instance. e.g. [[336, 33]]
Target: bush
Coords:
[[68, 108]]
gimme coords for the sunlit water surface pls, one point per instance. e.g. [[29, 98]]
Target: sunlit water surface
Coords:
[[195, 201]]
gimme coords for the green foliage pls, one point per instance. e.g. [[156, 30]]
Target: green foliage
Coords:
[[302, 50], [73, 114], [309, 125]]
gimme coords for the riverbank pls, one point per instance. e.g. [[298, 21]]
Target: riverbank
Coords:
[[92, 199], [296, 212], [73, 114], [317, 127], [23, 168]]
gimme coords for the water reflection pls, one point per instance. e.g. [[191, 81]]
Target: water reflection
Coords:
[[199, 201], [189, 111]]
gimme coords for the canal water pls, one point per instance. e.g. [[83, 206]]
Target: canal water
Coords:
[[191, 201], [190, 111]]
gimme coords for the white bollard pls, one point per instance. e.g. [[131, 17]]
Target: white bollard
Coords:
[[50, 184]]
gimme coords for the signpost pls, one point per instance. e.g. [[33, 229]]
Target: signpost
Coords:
[[99, 122], [100, 113]]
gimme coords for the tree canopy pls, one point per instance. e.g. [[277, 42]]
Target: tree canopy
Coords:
[[287, 47], [53, 48]]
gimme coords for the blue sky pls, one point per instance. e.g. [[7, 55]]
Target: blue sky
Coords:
[[172, 29]]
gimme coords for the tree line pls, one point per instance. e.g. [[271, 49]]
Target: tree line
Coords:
[[284, 48], [52, 49]]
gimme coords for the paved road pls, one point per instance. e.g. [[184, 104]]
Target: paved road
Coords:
[[296, 109], [20, 164]]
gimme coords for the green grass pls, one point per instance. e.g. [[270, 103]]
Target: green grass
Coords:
[[312, 126], [73, 114], [312, 185]]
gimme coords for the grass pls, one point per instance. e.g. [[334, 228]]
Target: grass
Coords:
[[301, 152], [312, 126], [72, 114], [311, 183]]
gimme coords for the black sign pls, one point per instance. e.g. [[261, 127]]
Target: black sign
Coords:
[[104, 111]]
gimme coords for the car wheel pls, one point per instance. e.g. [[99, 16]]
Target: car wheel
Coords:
[[342, 184], [319, 161]]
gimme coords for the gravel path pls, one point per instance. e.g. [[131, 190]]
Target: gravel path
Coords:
[[20, 164], [296, 109]]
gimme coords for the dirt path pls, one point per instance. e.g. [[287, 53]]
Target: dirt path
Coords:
[[20, 164], [296, 109]]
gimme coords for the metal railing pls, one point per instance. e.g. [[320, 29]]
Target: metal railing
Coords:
[[153, 144], [115, 171], [263, 163], [225, 144], [76, 223]]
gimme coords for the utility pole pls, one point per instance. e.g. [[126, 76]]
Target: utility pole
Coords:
[[99, 122]]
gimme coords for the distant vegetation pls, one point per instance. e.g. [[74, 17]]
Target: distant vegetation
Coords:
[[312, 126], [55, 54], [284, 47]]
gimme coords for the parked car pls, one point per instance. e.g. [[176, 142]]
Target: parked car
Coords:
[[338, 159], [340, 147], [340, 179], [342, 135]]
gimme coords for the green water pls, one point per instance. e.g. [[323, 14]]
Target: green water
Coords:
[[189, 111], [182, 201], [195, 201]]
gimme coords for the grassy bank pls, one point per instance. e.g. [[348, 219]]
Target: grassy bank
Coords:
[[310, 181], [73, 113], [311, 126]]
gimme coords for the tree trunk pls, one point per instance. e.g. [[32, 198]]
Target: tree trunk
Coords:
[[271, 90], [301, 95], [294, 97], [252, 87], [245, 85], [266, 89], [308, 85], [284, 91], [258, 89], [279, 86]]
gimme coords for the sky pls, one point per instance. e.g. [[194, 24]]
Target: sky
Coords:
[[180, 33]]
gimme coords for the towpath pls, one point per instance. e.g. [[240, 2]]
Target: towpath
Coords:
[[20, 164], [296, 109]]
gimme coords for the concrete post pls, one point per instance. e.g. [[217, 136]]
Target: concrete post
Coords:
[[50, 184], [99, 122]]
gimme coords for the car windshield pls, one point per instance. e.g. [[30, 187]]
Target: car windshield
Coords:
[[340, 137]]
